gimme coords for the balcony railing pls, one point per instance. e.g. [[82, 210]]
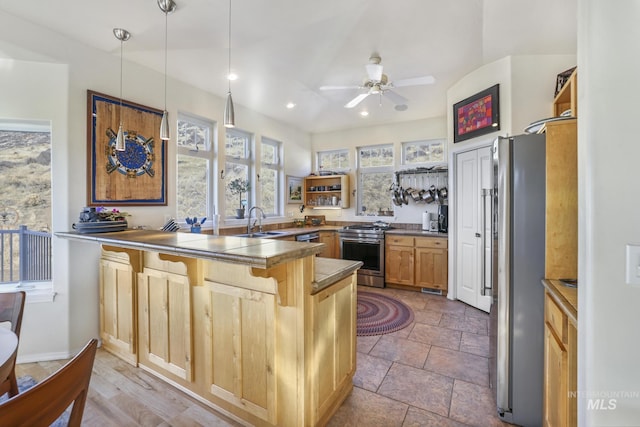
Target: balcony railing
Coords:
[[25, 255]]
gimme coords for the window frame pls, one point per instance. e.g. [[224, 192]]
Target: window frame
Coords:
[[361, 171], [210, 154], [37, 290], [338, 169], [248, 161], [278, 167], [434, 141]]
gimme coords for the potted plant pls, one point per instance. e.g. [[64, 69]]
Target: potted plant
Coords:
[[239, 186]]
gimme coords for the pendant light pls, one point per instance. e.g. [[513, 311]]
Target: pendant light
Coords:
[[167, 6], [229, 113], [122, 35]]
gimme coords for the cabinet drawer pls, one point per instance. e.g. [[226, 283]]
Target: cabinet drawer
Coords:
[[556, 319], [399, 240], [428, 242]]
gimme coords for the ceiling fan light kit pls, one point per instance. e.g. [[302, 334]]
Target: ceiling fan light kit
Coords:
[[378, 83]]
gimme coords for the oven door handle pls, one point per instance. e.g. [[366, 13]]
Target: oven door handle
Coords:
[[371, 241]]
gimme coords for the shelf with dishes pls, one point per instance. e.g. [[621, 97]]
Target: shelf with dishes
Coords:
[[326, 191]]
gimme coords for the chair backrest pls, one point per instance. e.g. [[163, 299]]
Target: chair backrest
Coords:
[[11, 308], [42, 404]]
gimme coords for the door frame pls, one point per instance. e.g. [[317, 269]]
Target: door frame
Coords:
[[453, 209]]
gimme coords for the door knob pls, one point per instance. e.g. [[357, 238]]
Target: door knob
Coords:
[[478, 235]]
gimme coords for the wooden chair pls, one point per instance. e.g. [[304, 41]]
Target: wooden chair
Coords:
[[42, 404], [11, 307]]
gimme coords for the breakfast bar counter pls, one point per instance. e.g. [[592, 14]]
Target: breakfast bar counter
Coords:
[[260, 329]]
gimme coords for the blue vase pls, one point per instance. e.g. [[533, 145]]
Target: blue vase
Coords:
[[195, 229]]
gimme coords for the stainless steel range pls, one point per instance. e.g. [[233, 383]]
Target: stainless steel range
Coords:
[[365, 242]]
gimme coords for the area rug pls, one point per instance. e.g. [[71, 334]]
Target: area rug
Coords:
[[25, 383], [380, 314]]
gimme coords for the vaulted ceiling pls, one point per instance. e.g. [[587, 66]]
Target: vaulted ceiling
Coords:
[[285, 50]]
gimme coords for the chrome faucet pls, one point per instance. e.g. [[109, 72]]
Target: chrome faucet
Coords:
[[259, 219]]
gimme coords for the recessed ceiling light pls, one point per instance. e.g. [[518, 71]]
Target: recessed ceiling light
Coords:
[[290, 105], [232, 76], [364, 113]]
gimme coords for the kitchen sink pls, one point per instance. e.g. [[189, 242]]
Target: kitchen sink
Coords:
[[262, 234]]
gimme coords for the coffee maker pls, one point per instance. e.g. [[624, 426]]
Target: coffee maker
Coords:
[[443, 218]]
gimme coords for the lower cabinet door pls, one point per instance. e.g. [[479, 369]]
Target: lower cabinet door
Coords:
[[555, 381], [240, 348], [431, 268], [117, 309], [399, 265], [164, 311]]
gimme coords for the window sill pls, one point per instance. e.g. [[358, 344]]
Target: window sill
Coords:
[[37, 292]]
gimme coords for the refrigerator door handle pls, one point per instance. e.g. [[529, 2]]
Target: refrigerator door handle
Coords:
[[486, 193]]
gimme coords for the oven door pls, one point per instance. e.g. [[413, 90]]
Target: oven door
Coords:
[[369, 251]]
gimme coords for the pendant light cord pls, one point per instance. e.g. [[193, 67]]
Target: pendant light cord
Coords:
[[229, 74], [166, 24], [120, 110]]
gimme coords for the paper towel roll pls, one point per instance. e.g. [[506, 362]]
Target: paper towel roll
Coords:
[[425, 221]]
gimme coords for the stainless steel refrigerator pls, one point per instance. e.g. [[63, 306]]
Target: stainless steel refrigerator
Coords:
[[517, 268]]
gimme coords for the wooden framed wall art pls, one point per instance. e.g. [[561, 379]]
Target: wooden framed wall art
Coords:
[[294, 189], [136, 176], [477, 115]]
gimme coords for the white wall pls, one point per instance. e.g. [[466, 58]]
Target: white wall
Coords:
[[608, 153], [374, 135], [45, 76]]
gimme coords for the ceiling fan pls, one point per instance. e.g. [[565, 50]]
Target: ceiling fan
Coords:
[[377, 83]]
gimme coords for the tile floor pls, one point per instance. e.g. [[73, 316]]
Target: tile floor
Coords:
[[434, 372]]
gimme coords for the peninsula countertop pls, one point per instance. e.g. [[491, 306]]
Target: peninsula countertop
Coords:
[[260, 253]]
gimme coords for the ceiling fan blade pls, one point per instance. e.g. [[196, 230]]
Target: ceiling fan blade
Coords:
[[357, 100], [374, 71], [416, 81], [339, 87], [395, 98]]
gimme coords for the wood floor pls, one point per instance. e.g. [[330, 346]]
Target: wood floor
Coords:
[[432, 373]]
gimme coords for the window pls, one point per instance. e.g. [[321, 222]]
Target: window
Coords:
[[271, 172], [375, 176], [195, 168], [25, 201], [334, 160], [237, 166], [426, 151]]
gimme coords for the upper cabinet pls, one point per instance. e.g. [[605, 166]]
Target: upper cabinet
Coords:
[[326, 192], [567, 98], [561, 239]]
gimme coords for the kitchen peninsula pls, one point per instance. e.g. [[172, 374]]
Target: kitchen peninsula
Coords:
[[260, 329]]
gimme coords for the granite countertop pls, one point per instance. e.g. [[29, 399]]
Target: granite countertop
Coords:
[[260, 253], [330, 270], [565, 296], [420, 233]]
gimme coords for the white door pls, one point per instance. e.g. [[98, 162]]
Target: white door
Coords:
[[473, 173]]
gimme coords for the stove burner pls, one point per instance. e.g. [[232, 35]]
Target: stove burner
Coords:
[[376, 226]]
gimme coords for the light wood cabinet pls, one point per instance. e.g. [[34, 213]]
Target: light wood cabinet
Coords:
[[318, 191], [567, 98], [431, 263], [330, 239], [164, 311], [255, 343], [560, 367], [118, 311], [334, 309], [399, 260], [420, 262], [561, 218]]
